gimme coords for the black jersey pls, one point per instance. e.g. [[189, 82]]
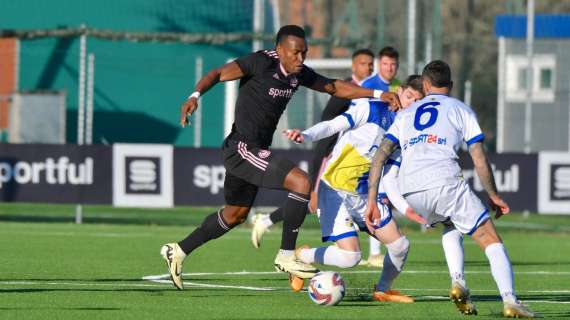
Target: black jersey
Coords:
[[264, 92]]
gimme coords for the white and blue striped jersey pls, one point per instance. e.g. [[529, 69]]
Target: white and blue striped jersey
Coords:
[[375, 82], [360, 129], [429, 133]]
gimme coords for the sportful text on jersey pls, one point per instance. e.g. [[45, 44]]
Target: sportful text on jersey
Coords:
[[264, 92]]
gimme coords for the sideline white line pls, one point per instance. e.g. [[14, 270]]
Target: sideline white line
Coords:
[[159, 284], [165, 283], [204, 285]]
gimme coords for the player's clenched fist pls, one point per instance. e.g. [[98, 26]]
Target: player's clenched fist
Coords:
[[499, 206], [371, 216], [187, 109], [294, 135], [392, 99], [414, 216]]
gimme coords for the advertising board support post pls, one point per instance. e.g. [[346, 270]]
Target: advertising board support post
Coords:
[[85, 105], [81, 106]]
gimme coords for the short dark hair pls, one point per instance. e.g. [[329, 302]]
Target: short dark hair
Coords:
[[289, 30], [367, 52], [389, 52], [415, 82], [438, 74]]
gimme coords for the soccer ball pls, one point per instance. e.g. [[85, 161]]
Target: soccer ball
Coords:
[[326, 288]]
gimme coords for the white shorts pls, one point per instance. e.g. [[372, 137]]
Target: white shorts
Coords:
[[340, 213], [456, 203]]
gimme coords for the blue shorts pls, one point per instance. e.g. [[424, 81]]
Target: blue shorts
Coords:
[[341, 213]]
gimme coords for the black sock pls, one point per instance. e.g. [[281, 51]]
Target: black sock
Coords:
[[213, 227], [276, 216], [294, 214]]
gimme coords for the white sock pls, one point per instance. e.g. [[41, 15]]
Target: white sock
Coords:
[[452, 241], [374, 247], [266, 221], [393, 263], [286, 253], [307, 255], [332, 256], [502, 271]]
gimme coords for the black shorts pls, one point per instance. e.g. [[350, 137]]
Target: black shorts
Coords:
[[248, 168]]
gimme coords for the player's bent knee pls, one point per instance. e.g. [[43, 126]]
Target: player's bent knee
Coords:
[[348, 259], [398, 251], [235, 215], [485, 235], [298, 181]]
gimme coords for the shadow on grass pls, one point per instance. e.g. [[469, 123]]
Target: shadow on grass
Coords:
[[194, 293], [77, 308], [545, 297], [555, 314], [539, 263], [526, 297], [43, 290], [74, 280], [360, 305]]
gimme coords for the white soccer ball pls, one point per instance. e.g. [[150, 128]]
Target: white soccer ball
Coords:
[[326, 288]]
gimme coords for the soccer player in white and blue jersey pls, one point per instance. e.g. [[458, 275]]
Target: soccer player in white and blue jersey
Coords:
[[429, 133]]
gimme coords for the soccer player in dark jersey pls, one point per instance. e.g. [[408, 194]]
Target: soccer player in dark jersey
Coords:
[[268, 80], [362, 67]]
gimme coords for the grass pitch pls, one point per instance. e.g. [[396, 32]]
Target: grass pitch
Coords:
[[110, 268]]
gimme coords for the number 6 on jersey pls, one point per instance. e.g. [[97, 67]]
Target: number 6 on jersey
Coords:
[[430, 110]]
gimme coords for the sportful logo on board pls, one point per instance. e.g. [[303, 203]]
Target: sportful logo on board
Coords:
[[142, 175]]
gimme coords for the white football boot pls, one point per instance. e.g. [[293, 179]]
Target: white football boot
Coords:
[[174, 256], [290, 264], [259, 228]]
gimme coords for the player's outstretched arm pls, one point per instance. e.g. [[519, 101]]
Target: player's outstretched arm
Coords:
[[319, 131], [485, 173], [325, 129], [384, 151], [229, 71], [346, 90]]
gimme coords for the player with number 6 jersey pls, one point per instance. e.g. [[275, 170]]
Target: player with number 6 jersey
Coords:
[[433, 144], [430, 132]]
